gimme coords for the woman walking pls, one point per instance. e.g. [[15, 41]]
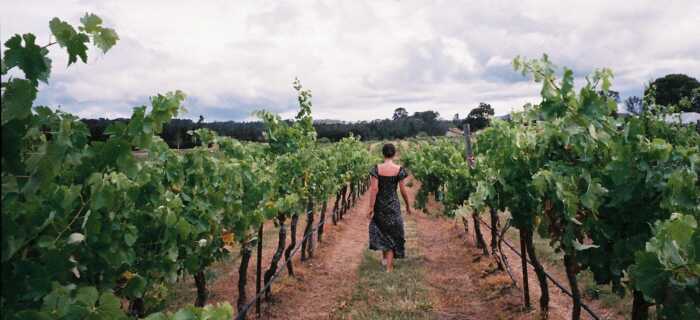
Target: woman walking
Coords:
[[386, 227]]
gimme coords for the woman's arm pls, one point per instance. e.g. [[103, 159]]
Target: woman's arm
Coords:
[[404, 194], [373, 187]]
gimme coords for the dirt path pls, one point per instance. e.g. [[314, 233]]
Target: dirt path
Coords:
[[460, 287], [324, 282]]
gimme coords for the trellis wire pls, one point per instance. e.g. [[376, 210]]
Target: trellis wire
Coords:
[[585, 307], [244, 311]]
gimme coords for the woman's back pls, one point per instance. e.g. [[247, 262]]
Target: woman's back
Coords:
[[388, 177], [388, 169]]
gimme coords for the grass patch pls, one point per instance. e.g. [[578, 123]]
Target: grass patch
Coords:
[[401, 294], [608, 298], [381, 295]]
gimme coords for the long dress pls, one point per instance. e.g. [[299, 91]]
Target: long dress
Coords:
[[386, 228]]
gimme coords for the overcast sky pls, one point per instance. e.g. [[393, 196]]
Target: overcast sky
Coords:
[[362, 59]]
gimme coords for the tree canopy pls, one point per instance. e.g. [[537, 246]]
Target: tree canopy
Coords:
[[479, 117], [400, 113], [672, 88]]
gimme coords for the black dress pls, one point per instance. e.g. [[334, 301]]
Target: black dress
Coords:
[[386, 228]]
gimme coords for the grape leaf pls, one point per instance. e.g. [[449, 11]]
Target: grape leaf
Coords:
[[91, 23], [17, 100], [105, 39], [87, 296], [31, 58], [68, 38]]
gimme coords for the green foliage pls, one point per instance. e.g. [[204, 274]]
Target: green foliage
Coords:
[[71, 302], [590, 183], [86, 225], [222, 311], [667, 271], [68, 38], [18, 96], [30, 58], [304, 170], [442, 170]]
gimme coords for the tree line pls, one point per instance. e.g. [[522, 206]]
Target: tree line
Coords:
[[401, 125]]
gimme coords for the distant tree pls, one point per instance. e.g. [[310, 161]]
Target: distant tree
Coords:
[[634, 105], [427, 116], [611, 94], [671, 88], [400, 113], [480, 116], [430, 122], [691, 103], [614, 95]]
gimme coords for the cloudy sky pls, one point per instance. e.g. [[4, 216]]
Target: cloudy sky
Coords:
[[362, 59]]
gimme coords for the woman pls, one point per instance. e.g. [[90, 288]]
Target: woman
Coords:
[[386, 226]]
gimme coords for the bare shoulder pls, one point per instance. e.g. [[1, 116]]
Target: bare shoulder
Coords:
[[388, 169]]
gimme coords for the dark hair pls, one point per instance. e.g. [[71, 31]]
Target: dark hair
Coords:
[[388, 150]]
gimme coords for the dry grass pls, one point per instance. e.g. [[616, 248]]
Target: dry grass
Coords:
[[401, 294]]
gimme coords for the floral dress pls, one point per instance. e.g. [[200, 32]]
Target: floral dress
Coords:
[[386, 228]]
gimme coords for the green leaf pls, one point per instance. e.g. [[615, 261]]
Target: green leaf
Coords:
[[91, 23], [109, 307], [649, 275], [76, 48], [130, 238], [222, 311], [157, 316], [136, 287], [105, 39], [17, 100], [33, 315], [68, 38], [31, 58], [62, 31], [87, 296], [184, 314]]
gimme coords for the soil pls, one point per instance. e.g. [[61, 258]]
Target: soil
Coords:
[[323, 283], [461, 289]]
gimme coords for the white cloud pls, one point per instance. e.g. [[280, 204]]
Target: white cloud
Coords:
[[361, 58]]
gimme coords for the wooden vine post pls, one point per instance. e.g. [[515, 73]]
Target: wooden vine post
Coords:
[[523, 259], [479, 238], [468, 153], [258, 270]]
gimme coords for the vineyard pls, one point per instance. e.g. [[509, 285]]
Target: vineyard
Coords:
[[618, 197], [106, 230], [89, 227]]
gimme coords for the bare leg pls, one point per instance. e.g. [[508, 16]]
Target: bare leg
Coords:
[[390, 261], [384, 257]]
